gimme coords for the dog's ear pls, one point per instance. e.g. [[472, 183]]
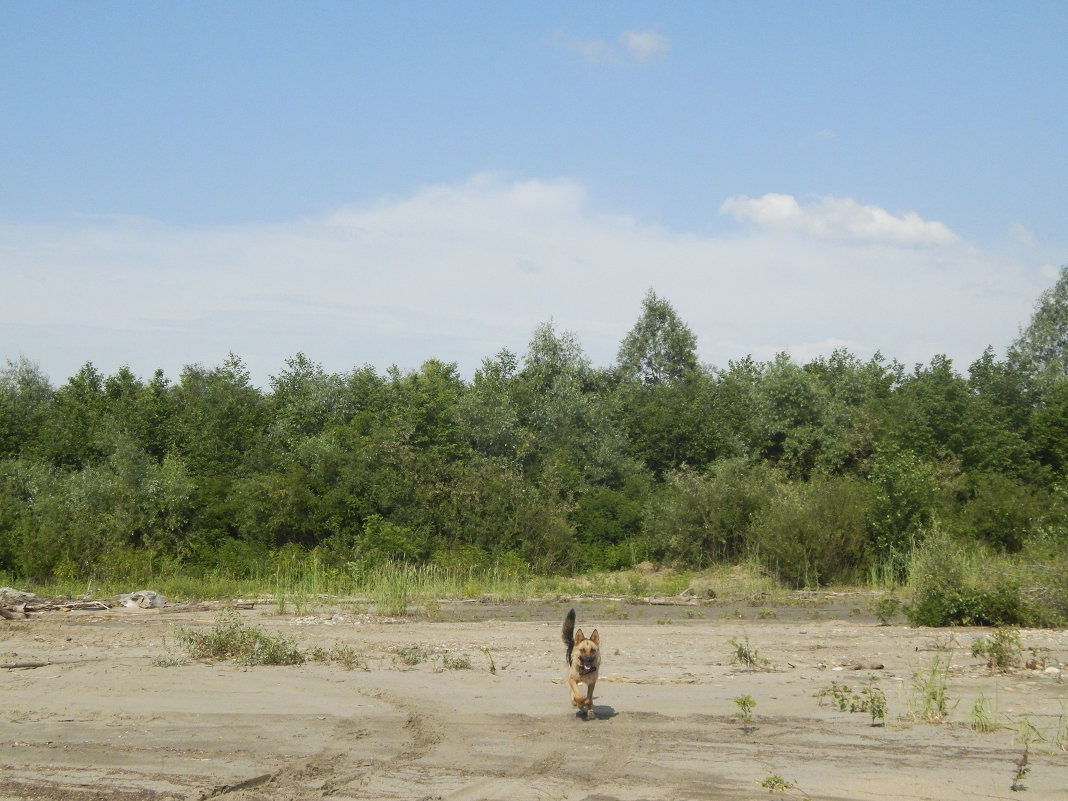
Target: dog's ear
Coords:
[[594, 638], [579, 636]]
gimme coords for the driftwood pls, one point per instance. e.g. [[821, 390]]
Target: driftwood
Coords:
[[21, 611], [23, 665]]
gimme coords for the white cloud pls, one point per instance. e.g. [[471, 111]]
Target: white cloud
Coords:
[[838, 218], [1024, 235], [643, 45], [457, 272], [592, 51], [633, 46]]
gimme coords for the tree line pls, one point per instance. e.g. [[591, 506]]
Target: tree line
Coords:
[[835, 470]]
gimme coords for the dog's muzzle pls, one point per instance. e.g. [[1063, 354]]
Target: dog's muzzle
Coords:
[[586, 665]]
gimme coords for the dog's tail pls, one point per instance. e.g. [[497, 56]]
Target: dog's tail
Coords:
[[569, 633]]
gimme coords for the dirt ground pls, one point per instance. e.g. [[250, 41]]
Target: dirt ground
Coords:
[[89, 710]]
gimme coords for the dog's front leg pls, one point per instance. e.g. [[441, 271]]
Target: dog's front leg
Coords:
[[576, 696], [588, 703]]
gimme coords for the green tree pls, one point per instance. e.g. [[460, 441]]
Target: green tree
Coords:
[[1041, 349], [305, 400], [25, 400], [789, 406], [488, 412], [570, 440], [73, 433], [901, 506], [660, 347], [218, 417], [854, 397], [1048, 428]]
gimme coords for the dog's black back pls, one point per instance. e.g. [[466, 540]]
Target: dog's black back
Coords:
[[569, 634]]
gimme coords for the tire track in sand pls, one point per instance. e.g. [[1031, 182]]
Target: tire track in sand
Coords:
[[336, 771]]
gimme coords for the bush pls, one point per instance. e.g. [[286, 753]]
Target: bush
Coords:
[[1001, 649], [697, 519], [814, 533], [1004, 512], [954, 584], [237, 642]]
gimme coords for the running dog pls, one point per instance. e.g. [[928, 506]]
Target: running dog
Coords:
[[584, 662]]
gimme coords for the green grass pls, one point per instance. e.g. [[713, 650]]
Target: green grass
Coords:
[[451, 661], [984, 717], [300, 582], [928, 700], [232, 640]]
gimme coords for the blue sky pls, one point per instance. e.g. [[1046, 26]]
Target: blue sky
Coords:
[[384, 183]]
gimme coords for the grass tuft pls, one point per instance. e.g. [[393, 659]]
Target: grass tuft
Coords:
[[232, 640]]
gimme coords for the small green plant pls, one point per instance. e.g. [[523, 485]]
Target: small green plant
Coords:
[[776, 784], [1060, 737], [613, 611], [746, 654], [745, 705], [231, 639], [875, 700], [664, 621], [410, 655], [489, 658], [767, 614], [984, 718], [1001, 649], [1027, 732], [928, 700], [870, 699], [344, 655], [1022, 769], [886, 608], [455, 661], [169, 660]]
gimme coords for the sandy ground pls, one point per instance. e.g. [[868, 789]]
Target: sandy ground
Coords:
[[102, 719]]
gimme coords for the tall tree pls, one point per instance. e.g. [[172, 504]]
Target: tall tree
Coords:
[[72, 435], [1041, 349], [660, 347], [25, 395], [219, 414]]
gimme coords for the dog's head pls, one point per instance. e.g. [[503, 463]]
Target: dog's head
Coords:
[[586, 656]]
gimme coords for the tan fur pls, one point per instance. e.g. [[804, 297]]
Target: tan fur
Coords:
[[584, 663]]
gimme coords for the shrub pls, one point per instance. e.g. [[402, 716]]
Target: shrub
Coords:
[[814, 533], [1003, 512], [1001, 649], [954, 584], [237, 642], [697, 519]]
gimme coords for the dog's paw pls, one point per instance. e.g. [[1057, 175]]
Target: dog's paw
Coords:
[[590, 714]]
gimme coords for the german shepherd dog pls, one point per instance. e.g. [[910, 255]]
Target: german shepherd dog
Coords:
[[584, 662]]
